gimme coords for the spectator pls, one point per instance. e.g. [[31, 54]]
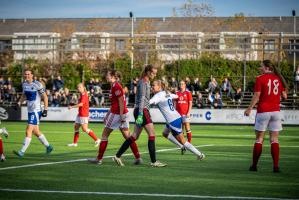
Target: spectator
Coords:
[[188, 84], [97, 84], [173, 85], [90, 84], [196, 86], [74, 99], [200, 102], [296, 81], [93, 99], [50, 97], [238, 96], [226, 88], [211, 98], [217, 103], [126, 92], [56, 99], [212, 85], [66, 97], [11, 91], [58, 84]]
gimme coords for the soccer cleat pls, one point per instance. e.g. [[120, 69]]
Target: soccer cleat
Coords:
[[2, 158], [201, 157], [138, 161], [253, 168], [20, 154], [4, 132], [183, 150], [276, 170], [95, 161], [158, 164], [97, 143], [72, 145], [118, 161], [49, 149]]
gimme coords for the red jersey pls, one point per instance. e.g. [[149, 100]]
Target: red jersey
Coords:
[[183, 102], [116, 92], [270, 87], [84, 109]]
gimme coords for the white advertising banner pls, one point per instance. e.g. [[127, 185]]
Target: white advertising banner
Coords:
[[206, 116]]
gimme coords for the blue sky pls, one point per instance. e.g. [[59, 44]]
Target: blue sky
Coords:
[[141, 8]]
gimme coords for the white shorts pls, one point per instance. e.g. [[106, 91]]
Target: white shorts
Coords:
[[186, 119], [270, 120], [113, 121], [81, 120]]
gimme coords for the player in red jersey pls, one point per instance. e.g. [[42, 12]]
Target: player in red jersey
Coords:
[[184, 106], [82, 117], [4, 132], [116, 118], [267, 91]]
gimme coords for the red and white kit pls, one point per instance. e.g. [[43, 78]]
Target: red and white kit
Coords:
[[82, 117], [183, 103]]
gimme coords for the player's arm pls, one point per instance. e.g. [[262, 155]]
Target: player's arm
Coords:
[[254, 101], [190, 105], [284, 95], [121, 104], [76, 106], [45, 99], [22, 99], [154, 100]]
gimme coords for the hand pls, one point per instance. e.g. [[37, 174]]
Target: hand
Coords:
[[123, 118], [247, 111], [45, 113], [19, 104], [70, 107], [188, 115], [139, 119]]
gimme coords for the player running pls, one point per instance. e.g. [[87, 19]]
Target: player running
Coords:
[[82, 117], [3, 132], [142, 117], [163, 99], [267, 91], [116, 118], [184, 105], [33, 92]]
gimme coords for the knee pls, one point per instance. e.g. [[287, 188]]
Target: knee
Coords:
[[165, 134], [259, 140], [86, 130]]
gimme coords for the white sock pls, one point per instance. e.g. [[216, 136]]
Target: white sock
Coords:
[[26, 144], [191, 148], [43, 140], [172, 139], [1, 130]]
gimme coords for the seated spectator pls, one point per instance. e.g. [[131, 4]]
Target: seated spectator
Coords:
[[212, 85], [90, 85], [217, 103], [210, 98], [226, 88], [238, 96], [74, 99], [11, 91], [196, 86], [200, 102], [56, 99], [93, 98], [65, 97], [173, 85], [50, 97], [188, 84], [58, 84]]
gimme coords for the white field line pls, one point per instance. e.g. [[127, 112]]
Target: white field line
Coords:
[[85, 159], [137, 194]]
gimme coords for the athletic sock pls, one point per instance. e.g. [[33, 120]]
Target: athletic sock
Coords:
[[189, 136], [124, 147], [26, 144], [43, 140], [76, 137], [102, 149], [275, 154], [1, 130], [257, 151], [134, 148], [1, 147], [152, 148], [172, 139], [191, 148], [92, 135]]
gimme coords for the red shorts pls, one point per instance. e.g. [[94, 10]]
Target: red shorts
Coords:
[[146, 116]]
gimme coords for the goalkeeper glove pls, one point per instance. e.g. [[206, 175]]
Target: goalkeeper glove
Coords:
[[45, 113], [139, 119]]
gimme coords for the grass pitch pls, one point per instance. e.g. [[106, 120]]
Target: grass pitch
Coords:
[[65, 174]]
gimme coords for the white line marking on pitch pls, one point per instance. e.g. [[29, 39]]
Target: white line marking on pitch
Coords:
[[137, 194], [85, 159]]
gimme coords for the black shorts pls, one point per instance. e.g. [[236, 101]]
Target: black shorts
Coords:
[[146, 116]]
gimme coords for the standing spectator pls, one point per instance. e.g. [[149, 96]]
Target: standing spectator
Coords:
[[217, 103], [296, 81], [58, 84], [174, 85], [188, 84], [226, 88], [200, 102], [238, 96], [212, 85], [196, 85]]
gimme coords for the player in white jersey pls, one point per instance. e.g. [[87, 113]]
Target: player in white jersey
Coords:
[[163, 99], [32, 93]]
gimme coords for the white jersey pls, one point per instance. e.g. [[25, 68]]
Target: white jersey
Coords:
[[165, 105], [33, 92]]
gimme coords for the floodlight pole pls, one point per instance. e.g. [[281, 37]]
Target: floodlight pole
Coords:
[[132, 39], [294, 43]]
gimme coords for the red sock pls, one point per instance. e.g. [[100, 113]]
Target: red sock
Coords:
[[76, 137], [91, 134], [257, 151], [1, 147], [275, 153], [189, 136], [134, 148], [102, 149]]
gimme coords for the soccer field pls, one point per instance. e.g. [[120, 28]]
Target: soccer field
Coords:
[[65, 174]]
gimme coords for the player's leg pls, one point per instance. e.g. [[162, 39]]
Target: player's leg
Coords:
[[2, 157], [126, 134], [76, 135], [188, 129], [275, 150], [171, 138], [42, 138], [27, 141], [257, 149], [90, 133], [180, 137]]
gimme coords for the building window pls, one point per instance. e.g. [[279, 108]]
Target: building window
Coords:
[[120, 45], [269, 46]]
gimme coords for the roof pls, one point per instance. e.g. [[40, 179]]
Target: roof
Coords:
[[151, 25]]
